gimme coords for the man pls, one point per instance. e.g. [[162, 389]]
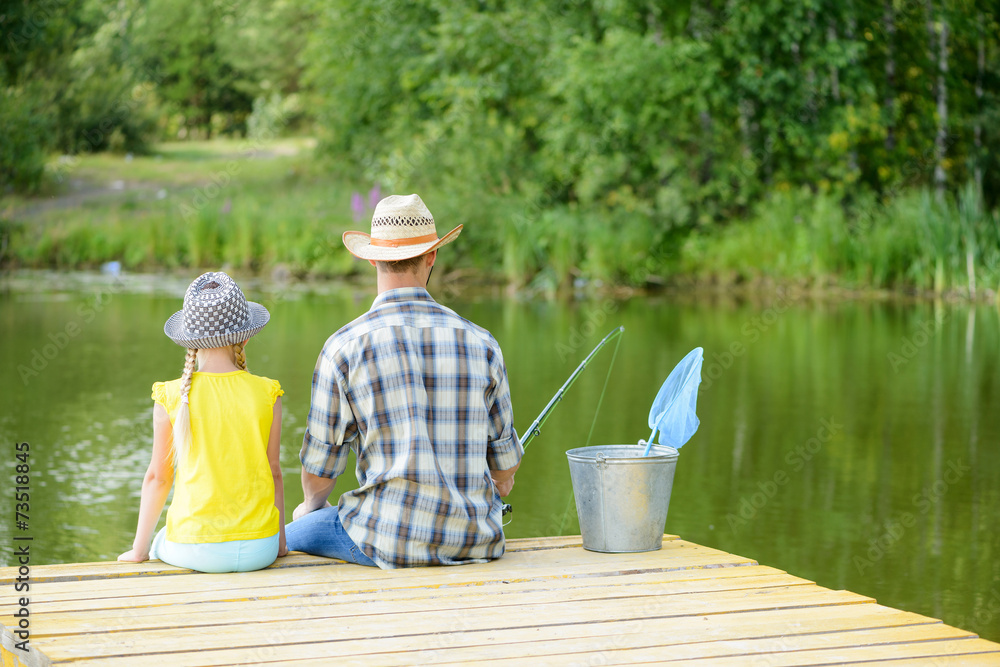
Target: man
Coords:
[[421, 395]]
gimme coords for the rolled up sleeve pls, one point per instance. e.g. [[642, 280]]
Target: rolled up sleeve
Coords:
[[504, 449], [330, 427]]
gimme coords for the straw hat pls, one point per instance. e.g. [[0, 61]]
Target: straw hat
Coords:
[[402, 228], [215, 314]]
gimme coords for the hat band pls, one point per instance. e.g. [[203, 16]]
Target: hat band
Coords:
[[395, 243]]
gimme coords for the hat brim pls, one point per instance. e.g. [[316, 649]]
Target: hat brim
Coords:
[[360, 245], [174, 328]]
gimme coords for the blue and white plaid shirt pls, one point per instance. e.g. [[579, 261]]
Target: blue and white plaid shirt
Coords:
[[421, 395]]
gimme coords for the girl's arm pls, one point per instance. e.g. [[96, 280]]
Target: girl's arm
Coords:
[[274, 459], [155, 487]]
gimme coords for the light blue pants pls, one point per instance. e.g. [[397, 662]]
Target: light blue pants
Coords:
[[235, 556]]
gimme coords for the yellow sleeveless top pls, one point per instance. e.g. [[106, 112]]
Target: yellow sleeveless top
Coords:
[[224, 490]]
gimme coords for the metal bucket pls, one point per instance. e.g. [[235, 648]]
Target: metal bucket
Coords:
[[622, 497]]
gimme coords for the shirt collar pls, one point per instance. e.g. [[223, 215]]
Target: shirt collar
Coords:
[[401, 295]]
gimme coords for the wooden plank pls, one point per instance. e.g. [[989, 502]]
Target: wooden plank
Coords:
[[547, 601], [114, 569], [14, 657], [976, 660], [566, 553], [438, 647], [405, 589], [946, 648], [573, 563], [282, 607], [252, 589], [611, 650], [378, 620]]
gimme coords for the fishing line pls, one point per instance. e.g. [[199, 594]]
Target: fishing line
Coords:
[[600, 401], [536, 426]]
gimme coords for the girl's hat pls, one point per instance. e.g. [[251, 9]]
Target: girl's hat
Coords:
[[215, 314], [402, 228]]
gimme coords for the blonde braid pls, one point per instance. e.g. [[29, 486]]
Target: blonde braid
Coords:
[[240, 355], [182, 422]]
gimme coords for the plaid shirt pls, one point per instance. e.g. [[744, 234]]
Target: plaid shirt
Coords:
[[421, 395]]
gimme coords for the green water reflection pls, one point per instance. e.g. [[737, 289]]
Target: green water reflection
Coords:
[[851, 443]]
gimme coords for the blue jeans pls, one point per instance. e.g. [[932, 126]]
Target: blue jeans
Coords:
[[234, 556], [320, 533]]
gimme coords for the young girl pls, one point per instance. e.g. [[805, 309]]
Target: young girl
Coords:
[[216, 433]]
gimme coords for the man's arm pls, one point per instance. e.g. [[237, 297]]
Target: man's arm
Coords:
[[330, 428], [316, 490], [503, 454]]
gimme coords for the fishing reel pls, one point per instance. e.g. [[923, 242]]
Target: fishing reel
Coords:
[[506, 509]]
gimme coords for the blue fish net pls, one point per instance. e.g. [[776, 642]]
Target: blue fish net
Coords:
[[673, 415]]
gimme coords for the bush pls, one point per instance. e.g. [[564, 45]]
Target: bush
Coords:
[[23, 134]]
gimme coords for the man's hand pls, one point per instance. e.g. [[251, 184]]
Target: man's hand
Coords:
[[315, 490], [505, 485], [504, 479], [305, 508]]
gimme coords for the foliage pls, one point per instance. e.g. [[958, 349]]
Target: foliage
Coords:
[[96, 75], [674, 117], [22, 159]]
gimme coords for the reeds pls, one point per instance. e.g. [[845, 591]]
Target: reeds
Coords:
[[288, 213], [911, 241]]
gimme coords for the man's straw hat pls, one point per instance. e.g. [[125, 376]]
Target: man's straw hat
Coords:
[[402, 228]]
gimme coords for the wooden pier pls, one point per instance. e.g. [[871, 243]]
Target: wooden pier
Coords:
[[547, 602]]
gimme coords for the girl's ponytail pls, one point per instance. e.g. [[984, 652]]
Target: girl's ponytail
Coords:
[[239, 356], [182, 422]]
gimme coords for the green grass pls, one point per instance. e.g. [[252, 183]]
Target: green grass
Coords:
[[910, 242], [220, 206], [191, 162], [256, 207]]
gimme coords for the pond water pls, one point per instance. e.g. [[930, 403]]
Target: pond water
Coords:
[[853, 443]]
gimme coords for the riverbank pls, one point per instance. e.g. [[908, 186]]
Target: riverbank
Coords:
[[272, 210]]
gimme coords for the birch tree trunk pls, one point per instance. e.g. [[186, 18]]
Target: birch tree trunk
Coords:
[[889, 17], [978, 129], [939, 30], [852, 155], [942, 108]]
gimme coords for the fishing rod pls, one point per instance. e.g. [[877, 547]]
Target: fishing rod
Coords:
[[536, 426]]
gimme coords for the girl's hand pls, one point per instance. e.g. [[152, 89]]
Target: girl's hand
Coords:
[[133, 556]]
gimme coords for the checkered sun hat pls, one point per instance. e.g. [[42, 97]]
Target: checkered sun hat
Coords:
[[402, 227], [215, 314]]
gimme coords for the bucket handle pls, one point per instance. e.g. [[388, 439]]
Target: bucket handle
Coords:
[[601, 460]]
